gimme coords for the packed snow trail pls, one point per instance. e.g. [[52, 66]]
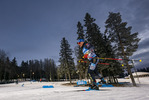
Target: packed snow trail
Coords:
[[35, 91]]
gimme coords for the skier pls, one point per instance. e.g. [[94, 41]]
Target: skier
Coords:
[[88, 51]]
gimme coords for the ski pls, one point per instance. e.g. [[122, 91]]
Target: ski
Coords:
[[89, 89], [92, 90]]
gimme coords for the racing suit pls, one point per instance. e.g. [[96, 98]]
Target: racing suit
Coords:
[[88, 51]]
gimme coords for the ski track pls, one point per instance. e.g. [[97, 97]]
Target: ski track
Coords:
[[34, 91]]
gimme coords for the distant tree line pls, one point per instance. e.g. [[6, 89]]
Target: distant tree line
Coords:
[[146, 69], [8, 69], [38, 69], [31, 70]]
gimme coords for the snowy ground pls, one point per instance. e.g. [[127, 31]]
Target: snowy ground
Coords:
[[35, 91]]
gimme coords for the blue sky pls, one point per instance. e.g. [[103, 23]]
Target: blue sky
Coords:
[[33, 29]]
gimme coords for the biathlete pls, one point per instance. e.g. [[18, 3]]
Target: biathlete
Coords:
[[88, 51]]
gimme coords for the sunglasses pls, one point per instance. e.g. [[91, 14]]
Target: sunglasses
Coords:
[[78, 42]]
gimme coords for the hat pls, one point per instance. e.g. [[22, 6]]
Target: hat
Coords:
[[81, 40]]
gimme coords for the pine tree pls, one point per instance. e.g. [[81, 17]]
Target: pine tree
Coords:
[[7, 70], [24, 70], [66, 60], [93, 35], [80, 31], [124, 43], [115, 67], [53, 69], [41, 71], [3, 57], [47, 68], [14, 68]]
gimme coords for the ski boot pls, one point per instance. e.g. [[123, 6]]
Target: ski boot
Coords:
[[102, 80], [94, 86], [91, 86]]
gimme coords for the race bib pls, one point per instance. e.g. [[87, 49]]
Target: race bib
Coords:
[[92, 66]]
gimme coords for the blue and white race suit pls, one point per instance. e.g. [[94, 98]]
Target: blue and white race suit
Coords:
[[88, 51]]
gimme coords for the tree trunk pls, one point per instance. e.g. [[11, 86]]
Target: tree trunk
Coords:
[[125, 59], [110, 80], [65, 76], [86, 73], [5, 75], [116, 80], [69, 78], [80, 76]]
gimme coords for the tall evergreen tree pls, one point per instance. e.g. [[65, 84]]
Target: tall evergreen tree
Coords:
[[24, 69], [7, 70], [93, 35], [80, 31], [41, 69], [14, 68], [3, 57], [115, 66], [66, 60], [47, 68], [124, 43]]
